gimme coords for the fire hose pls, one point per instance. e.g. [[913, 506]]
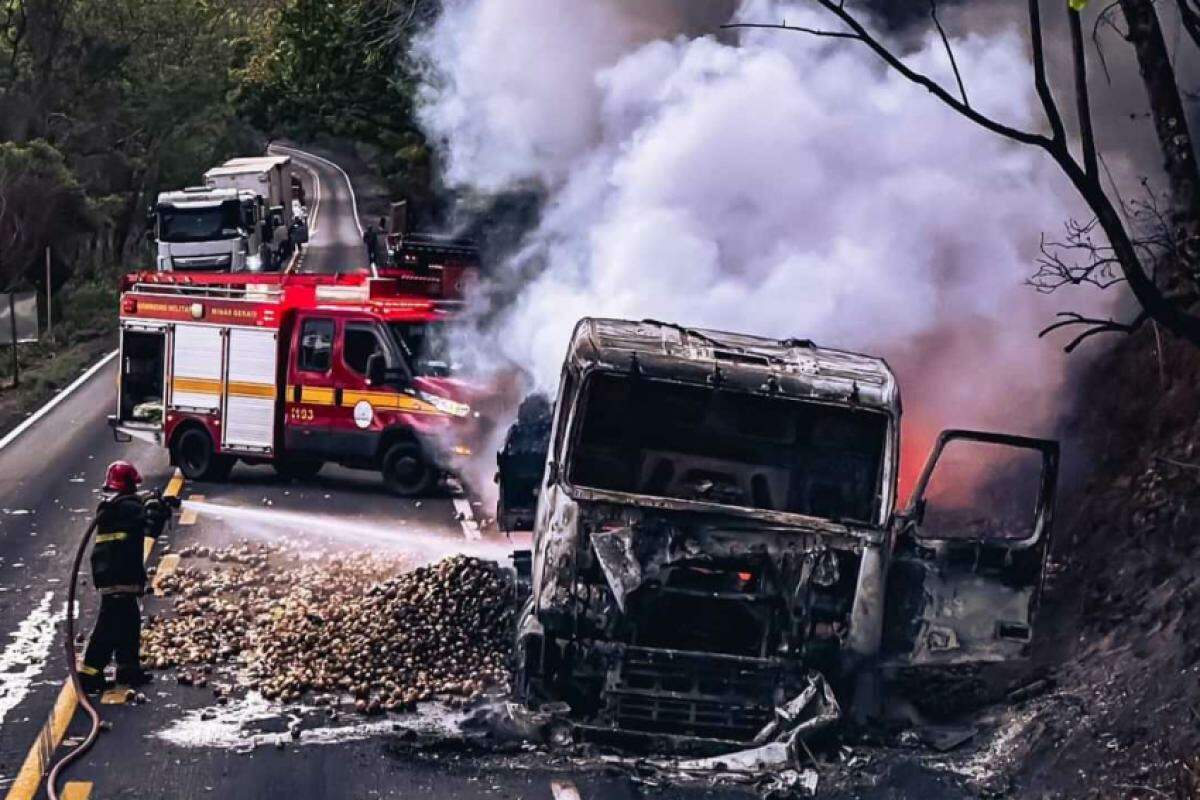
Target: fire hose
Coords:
[[72, 667], [73, 670]]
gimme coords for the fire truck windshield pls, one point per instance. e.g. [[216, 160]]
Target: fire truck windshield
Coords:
[[198, 223], [427, 348]]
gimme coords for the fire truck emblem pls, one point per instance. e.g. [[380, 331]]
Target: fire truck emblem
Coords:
[[363, 414]]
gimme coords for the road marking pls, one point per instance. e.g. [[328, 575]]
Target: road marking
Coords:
[[37, 761], [25, 655], [466, 517], [58, 398], [349, 185], [76, 790], [564, 790], [175, 485]]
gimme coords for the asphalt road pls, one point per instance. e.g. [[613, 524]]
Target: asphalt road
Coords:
[[335, 229], [49, 479]]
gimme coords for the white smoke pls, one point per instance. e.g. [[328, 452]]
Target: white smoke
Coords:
[[777, 184]]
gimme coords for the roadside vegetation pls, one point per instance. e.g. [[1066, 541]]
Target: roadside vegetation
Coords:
[[104, 103]]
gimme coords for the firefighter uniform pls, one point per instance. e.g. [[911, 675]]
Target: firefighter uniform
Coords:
[[124, 521]]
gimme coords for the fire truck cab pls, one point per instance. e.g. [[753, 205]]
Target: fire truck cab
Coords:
[[295, 371]]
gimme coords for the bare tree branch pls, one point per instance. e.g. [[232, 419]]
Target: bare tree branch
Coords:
[[1105, 18], [1170, 311], [798, 28], [1040, 82], [1191, 19], [1082, 101], [962, 89], [1094, 326], [857, 31]]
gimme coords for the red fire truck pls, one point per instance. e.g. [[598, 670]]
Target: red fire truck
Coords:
[[295, 370]]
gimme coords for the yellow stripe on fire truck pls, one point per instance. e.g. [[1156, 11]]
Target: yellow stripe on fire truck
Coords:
[[389, 400], [247, 389], [213, 386], [197, 385], [313, 395], [324, 396]]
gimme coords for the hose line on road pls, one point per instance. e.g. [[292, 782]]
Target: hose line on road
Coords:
[[73, 670]]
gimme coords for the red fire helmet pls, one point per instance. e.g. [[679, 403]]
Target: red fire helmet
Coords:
[[121, 476]]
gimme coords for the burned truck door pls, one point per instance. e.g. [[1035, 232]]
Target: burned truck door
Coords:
[[970, 552]]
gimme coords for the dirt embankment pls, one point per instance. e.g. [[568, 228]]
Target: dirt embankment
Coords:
[[1124, 718]]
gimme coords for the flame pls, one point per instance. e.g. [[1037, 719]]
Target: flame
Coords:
[[916, 441]]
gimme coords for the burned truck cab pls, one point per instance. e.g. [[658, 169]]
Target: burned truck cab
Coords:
[[713, 534]]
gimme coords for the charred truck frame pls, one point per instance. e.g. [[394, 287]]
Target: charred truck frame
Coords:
[[716, 526]]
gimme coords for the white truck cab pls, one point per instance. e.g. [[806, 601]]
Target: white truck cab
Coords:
[[206, 229]]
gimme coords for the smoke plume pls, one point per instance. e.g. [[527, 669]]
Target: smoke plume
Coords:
[[764, 182]]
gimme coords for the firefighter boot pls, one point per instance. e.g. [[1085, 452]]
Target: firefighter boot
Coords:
[[133, 677], [91, 679]]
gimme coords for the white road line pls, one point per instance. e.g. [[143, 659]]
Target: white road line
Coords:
[[25, 656], [349, 185], [466, 517], [58, 398]]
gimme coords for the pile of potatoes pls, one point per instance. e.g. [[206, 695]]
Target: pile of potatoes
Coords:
[[335, 628]]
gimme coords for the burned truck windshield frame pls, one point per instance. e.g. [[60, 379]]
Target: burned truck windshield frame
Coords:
[[688, 442]]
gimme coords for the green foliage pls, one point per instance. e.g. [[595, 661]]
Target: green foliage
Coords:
[[134, 93], [40, 199], [342, 69], [331, 67]]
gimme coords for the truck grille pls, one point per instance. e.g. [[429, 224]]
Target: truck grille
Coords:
[[202, 262], [699, 695]]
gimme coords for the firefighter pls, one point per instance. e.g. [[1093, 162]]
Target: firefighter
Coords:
[[373, 236], [123, 521]]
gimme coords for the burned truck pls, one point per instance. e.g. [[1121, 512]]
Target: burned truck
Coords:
[[716, 534]]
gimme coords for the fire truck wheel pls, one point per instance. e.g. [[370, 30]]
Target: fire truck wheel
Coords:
[[298, 469], [406, 471], [193, 453]]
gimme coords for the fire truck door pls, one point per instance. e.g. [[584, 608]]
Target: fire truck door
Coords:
[[196, 361], [970, 553], [310, 398], [355, 432], [250, 399]]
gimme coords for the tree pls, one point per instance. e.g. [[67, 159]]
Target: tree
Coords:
[[39, 198], [1155, 252]]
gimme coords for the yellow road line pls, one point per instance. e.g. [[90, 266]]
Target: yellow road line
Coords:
[[189, 515], [116, 697], [37, 761], [77, 790], [175, 485]]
